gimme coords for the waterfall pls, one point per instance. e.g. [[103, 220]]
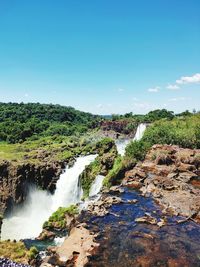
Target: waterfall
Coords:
[[68, 190], [26, 221], [122, 144], [140, 131], [96, 185]]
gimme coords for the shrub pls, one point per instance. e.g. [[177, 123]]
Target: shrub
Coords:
[[57, 219], [137, 150], [113, 174], [33, 252]]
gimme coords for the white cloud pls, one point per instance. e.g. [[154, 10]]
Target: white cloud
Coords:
[[189, 79], [173, 87], [154, 90], [26, 95]]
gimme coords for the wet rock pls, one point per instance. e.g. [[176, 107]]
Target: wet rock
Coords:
[[142, 235], [116, 189], [100, 207], [146, 219], [46, 235], [161, 223], [132, 201]]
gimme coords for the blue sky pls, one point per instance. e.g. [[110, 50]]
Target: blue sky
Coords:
[[101, 56]]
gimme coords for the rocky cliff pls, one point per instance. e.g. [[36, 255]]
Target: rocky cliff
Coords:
[[115, 129], [15, 180], [172, 176]]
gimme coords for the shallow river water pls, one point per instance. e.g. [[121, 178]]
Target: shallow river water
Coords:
[[123, 242]]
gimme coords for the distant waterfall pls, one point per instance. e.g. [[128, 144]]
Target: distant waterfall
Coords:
[[140, 131], [26, 221], [122, 144]]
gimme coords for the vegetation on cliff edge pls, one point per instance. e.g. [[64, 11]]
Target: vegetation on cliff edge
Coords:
[[58, 218], [107, 152], [181, 131]]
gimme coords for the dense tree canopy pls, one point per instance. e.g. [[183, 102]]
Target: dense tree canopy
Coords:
[[21, 121]]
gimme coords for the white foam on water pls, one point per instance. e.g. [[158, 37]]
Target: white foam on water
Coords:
[[96, 185], [26, 221]]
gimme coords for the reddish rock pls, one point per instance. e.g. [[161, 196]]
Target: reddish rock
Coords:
[[170, 175]]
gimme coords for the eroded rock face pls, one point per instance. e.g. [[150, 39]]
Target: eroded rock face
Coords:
[[50, 232], [16, 178], [117, 128], [75, 250], [172, 176]]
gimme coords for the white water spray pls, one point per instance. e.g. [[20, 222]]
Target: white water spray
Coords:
[[121, 145], [26, 221], [140, 131], [96, 185]]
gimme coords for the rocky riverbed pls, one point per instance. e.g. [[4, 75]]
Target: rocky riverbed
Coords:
[[151, 219], [125, 228], [171, 175]]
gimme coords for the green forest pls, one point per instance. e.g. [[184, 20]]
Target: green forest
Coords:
[[18, 122]]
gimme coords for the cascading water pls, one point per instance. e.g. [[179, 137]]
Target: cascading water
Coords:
[[27, 220], [122, 144], [97, 185], [94, 193], [68, 190], [98, 182], [140, 131]]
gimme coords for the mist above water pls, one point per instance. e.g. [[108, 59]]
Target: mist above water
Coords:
[[96, 185], [26, 221]]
